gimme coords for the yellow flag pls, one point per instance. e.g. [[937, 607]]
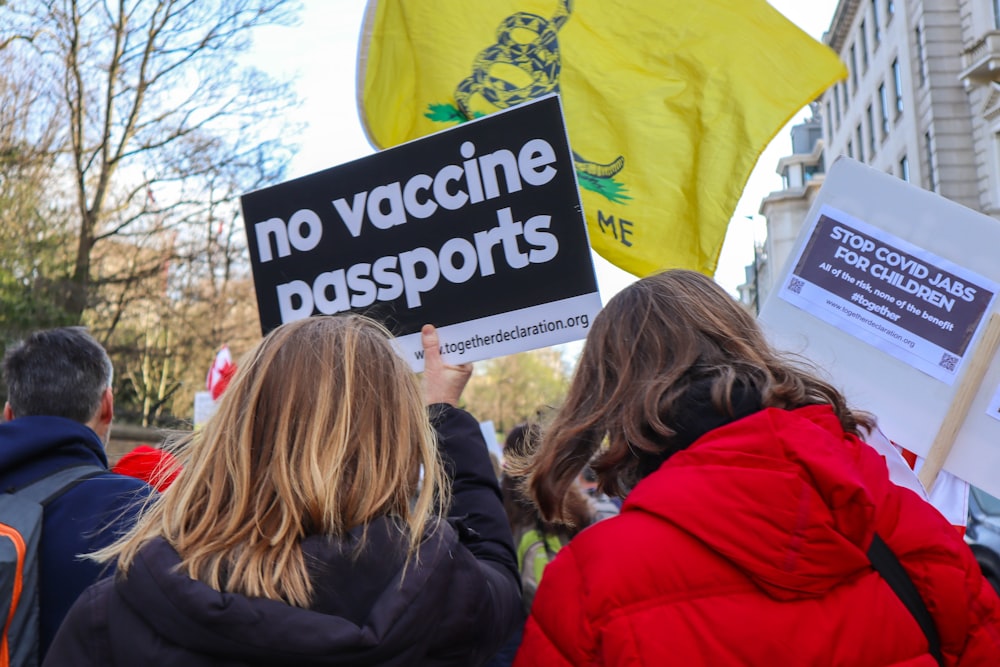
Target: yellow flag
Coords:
[[668, 103]]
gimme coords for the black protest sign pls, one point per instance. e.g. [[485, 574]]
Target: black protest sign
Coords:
[[475, 221]]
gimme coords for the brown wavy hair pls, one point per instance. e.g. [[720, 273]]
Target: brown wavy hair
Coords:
[[522, 513], [647, 348], [322, 430]]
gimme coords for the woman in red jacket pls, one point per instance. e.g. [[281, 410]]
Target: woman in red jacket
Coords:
[[751, 507]]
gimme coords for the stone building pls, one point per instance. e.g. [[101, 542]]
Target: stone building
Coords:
[[801, 177], [921, 101]]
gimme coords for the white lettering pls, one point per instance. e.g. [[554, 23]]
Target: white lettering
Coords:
[[546, 244], [534, 154], [287, 294], [352, 215], [309, 219], [264, 230], [414, 285], [392, 195]]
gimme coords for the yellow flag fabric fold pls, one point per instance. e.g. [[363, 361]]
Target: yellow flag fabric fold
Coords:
[[668, 104]]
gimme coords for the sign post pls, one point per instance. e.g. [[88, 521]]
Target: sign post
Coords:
[[968, 387]]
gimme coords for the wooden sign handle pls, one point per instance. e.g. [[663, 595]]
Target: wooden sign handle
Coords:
[[968, 386]]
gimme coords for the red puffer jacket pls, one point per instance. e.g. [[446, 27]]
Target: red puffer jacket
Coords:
[[749, 548]]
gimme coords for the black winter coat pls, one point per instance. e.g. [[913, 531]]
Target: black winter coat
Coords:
[[455, 605]]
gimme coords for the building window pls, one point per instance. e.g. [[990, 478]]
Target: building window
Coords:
[[864, 47], [850, 149], [904, 169], [890, 10], [836, 104], [883, 104], [861, 143], [843, 94], [829, 121], [897, 82], [877, 33], [854, 69], [996, 14], [921, 56], [929, 150], [871, 132]]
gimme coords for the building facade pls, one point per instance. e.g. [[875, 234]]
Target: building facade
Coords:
[[905, 107], [801, 178], [921, 101]]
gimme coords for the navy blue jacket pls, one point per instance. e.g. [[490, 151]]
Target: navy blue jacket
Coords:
[[455, 605], [86, 517]]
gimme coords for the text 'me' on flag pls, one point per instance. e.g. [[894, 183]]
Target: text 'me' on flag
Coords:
[[668, 103]]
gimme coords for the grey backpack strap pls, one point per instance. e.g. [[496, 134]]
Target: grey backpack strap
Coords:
[[57, 483]]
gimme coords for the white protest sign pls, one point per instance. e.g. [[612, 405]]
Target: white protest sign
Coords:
[[993, 409], [902, 299], [490, 436], [477, 229], [204, 408], [889, 290]]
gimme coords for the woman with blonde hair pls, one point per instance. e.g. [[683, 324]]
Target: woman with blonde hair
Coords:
[[305, 526], [753, 509]]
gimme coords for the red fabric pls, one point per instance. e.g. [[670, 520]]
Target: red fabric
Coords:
[[220, 373], [157, 467], [226, 374], [908, 456], [749, 548]]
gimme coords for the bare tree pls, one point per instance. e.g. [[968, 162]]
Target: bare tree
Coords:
[[152, 102], [513, 389], [34, 233]]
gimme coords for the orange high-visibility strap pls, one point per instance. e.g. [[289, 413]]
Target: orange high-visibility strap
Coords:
[[19, 547]]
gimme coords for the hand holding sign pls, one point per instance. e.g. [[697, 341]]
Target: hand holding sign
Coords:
[[443, 383]]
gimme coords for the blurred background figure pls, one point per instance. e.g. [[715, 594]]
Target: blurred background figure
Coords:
[[157, 467], [604, 505], [537, 540]]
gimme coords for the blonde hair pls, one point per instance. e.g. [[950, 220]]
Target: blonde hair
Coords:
[[322, 430]]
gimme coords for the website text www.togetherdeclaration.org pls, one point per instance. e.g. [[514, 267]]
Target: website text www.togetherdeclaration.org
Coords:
[[477, 341], [892, 333]]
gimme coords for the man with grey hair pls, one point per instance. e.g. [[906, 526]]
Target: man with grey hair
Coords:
[[58, 415]]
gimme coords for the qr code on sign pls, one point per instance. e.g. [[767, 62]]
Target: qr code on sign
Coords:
[[948, 362], [795, 285]]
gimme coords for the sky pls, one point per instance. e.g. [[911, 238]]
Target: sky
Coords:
[[320, 55]]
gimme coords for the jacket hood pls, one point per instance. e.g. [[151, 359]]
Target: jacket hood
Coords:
[[27, 438], [363, 613], [785, 496]]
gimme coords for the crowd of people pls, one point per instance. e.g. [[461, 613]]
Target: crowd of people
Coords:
[[698, 498]]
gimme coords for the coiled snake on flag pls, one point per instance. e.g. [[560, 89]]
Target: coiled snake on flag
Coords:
[[538, 58]]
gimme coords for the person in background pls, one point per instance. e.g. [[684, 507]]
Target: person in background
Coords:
[[536, 539], [604, 505], [307, 525], [157, 467], [58, 415], [752, 508]]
